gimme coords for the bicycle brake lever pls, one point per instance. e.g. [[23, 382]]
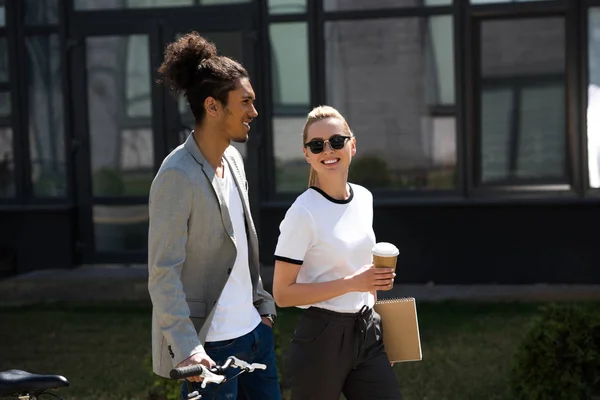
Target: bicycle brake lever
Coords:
[[210, 377], [244, 365]]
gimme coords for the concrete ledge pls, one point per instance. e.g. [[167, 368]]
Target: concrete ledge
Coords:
[[126, 283]]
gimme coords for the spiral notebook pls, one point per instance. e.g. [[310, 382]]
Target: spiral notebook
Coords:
[[400, 329]]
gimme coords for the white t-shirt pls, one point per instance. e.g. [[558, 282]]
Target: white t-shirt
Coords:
[[235, 314], [329, 239]]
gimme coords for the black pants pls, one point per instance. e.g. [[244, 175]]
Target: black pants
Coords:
[[333, 353]]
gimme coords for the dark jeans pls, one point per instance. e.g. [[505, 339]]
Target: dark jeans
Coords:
[[254, 347], [333, 353]]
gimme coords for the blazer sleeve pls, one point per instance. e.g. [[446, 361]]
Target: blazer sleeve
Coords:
[[170, 205]]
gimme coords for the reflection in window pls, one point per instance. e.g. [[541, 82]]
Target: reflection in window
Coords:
[[522, 120], [7, 163], [113, 4], [46, 117], [287, 6], [502, 1], [593, 111], [289, 56], [291, 169], [5, 104], [138, 90], [40, 12], [382, 75], [3, 60], [121, 146], [120, 228], [343, 5]]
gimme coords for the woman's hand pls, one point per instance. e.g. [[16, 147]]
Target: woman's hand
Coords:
[[369, 278]]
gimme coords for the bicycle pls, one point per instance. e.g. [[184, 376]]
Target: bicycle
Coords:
[[214, 374], [28, 386]]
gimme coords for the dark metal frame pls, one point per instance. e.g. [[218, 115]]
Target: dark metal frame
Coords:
[[160, 25]]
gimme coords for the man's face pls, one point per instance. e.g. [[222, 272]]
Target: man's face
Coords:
[[239, 112]]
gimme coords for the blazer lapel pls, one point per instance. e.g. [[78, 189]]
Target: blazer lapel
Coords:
[[192, 147]]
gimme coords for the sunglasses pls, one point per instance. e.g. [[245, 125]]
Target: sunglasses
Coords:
[[336, 142]]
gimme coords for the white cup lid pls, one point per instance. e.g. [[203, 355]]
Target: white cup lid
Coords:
[[385, 249]]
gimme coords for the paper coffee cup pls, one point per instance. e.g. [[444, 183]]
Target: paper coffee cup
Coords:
[[385, 255]]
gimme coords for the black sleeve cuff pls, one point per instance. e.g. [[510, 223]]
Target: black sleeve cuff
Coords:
[[289, 260]]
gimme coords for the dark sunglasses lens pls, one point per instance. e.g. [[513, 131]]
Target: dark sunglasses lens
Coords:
[[337, 142], [316, 146]]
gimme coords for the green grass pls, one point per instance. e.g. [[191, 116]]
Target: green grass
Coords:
[[103, 348]]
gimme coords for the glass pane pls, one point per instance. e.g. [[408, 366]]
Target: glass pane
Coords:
[[5, 106], [502, 1], [523, 123], [122, 148], [46, 117], [2, 14], [287, 6], [7, 163], [593, 111], [289, 55], [229, 44], [41, 12], [385, 76], [112, 4], [341, 5], [291, 169], [121, 228], [221, 2], [3, 60]]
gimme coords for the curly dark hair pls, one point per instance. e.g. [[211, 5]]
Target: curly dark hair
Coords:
[[193, 68]]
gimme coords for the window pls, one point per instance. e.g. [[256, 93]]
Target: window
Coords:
[[120, 228], [3, 60], [287, 6], [2, 14], [503, 1], [522, 115], [593, 110], [46, 116], [121, 140], [344, 5], [388, 77], [291, 100], [41, 12], [7, 163], [84, 5]]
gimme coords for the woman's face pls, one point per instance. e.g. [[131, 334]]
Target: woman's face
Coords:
[[332, 159]]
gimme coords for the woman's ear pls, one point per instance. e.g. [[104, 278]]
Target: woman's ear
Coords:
[[353, 145], [305, 155]]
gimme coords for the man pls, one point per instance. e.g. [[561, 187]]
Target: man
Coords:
[[204, 280]]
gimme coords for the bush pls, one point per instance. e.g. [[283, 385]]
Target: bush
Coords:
[[559, 357]]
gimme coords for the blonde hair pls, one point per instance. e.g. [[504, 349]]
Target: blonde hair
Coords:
[[317, 114]]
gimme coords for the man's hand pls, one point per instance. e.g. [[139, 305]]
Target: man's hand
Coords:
[[198, 358], [267, 322]]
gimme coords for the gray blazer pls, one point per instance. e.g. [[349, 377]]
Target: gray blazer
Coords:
[[191, 250]]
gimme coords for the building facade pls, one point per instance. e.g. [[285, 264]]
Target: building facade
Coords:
[[477, 125]]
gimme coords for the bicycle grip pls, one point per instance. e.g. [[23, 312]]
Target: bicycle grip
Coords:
[[186, 372]]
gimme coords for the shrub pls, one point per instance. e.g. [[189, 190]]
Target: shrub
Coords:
[[559, 357]]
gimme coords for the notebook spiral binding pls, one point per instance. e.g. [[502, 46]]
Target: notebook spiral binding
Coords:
[[394, 300]]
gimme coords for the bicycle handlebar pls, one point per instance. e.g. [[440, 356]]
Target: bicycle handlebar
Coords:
[[213, 374]]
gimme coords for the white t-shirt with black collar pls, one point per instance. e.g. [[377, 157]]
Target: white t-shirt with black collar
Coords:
[[329, 239]]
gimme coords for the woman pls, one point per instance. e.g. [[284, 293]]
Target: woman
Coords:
[[323, 265]]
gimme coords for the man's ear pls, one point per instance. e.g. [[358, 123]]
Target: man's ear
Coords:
[[211, 106]]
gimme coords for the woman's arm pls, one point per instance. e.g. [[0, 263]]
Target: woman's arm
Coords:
[[289, 293]]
